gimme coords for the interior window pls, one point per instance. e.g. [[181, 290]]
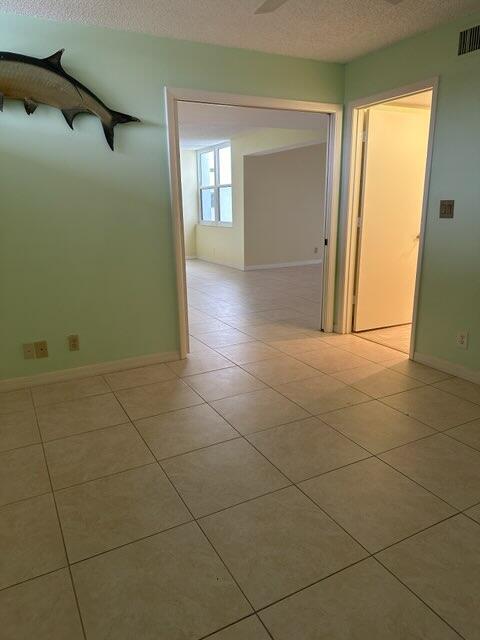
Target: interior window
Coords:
[[215, 184]]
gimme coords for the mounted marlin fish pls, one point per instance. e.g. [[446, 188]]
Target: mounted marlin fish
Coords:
[[36, 81]]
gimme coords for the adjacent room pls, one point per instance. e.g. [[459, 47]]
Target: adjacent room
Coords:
[[240, 320], [253, 198], [393, 150]]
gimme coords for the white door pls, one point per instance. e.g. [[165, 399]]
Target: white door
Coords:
[[391, 208]]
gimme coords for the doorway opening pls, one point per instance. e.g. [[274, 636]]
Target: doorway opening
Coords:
[[391, 140], [254, 192]]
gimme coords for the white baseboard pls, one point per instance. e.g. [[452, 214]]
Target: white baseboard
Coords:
[[190, 257], [88, 370], [279, 265], [457, 370], [222, 264]]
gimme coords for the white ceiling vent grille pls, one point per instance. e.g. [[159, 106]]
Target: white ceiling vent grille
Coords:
[[469, 40]]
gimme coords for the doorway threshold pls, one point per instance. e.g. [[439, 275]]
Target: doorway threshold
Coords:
[[397, 337]]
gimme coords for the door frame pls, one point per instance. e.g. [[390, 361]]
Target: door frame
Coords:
[[332, 196], [348, 239]]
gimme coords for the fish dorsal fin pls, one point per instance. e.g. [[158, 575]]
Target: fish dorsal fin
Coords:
[[30, 106], [55, 59]]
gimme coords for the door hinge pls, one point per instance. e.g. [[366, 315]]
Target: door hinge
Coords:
[[364, 136], [326, 242], [359, 222]]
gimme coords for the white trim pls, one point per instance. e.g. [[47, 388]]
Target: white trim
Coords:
[[87, 370], [171, 112], [332, 204], [399, 92], [426, 193], [215, 223], [334, 154], [348, 226], [240, 100], [221, 264], [278, 265], [457, 370]]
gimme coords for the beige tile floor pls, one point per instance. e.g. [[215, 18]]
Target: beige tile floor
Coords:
[[280, 483], [394, 337]]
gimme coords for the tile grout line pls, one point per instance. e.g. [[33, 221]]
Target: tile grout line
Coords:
[[284, 354], [417, 596], [421, 383], [40, 575], [103, 477], [297, 483], [117, 547], [245, 501], [60, 527], [229, 626], [312, 584], [370, 341], [467, 515], [345, 436], [318, 416], [371, 455], [372, 399], [292, 483], [401, 472], [93, 430], [241, 435], [194, 518], [29, 497], [254, 498]]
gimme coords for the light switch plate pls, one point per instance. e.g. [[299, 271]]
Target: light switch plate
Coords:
[[447, 208]]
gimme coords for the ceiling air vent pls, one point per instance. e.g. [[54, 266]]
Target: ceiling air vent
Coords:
[[469, 40]]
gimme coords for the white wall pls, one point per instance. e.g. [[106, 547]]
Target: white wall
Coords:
[[284, 206], [188, 167], [226, 245]]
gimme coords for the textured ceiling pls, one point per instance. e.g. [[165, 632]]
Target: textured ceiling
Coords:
[[202, 125], [332, 30]]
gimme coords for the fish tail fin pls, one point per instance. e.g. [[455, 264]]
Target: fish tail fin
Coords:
[[117, 118]]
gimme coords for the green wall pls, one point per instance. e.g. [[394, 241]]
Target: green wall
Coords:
[[85, 234], [450, 286]]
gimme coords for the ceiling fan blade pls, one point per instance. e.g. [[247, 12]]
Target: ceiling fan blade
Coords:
[[270, 5]]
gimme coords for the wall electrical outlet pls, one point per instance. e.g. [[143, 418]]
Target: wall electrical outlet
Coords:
[[41, 349], [462, 339], [74, 343], [28, 351]]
